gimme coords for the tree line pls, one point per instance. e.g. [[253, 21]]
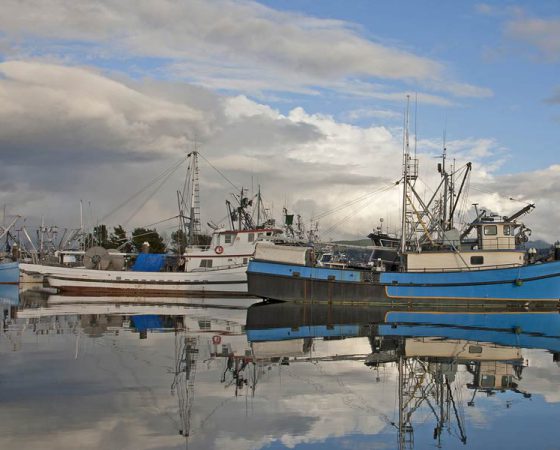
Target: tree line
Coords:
[[118, 239]]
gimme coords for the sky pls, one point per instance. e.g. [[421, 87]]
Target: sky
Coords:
[[304, 98]]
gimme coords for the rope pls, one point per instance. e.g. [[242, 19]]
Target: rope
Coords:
[[164, 174], [217, 170], [151, 195], [352, 202]]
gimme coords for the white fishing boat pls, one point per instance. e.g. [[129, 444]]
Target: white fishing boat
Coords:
[[216, 269]]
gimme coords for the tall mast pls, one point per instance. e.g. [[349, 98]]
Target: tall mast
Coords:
[[406, 157], [194, 229], [259, 206], [445, 188]]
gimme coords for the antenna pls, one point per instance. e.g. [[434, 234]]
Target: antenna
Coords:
[[415, 123]]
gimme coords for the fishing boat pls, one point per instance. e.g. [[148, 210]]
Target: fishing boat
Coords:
[[9, 272], [483, 262], [217, 269], [9, 267]]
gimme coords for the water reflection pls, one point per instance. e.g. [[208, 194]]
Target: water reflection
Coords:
[[173, 373]]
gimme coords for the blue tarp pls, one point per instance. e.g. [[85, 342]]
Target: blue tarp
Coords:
[[147, 322], [149, 262]]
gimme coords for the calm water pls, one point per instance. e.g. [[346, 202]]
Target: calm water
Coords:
[[102, 373]]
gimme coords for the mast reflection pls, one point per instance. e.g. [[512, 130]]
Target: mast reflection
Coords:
[[431, 350]]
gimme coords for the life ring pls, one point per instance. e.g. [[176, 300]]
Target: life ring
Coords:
[[219, 249], [216, 339]]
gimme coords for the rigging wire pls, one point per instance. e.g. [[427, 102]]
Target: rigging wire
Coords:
[[352, 213], [158, 187], [217, 170], [164, 174], [353, 202]]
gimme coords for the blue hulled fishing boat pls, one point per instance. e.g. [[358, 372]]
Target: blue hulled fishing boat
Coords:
[[9, 273], [485, 260]]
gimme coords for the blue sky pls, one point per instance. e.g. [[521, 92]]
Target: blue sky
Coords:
[[470, 38], [101, 95]]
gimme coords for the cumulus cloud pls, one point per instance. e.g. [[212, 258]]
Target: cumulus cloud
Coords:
[[72, 133], [544, 34], [239, 45], [51, 113]]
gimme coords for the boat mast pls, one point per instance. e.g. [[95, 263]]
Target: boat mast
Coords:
[[406, 156], [194, 230], [190, 224]]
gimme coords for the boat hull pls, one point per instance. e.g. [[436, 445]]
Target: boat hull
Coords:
[[287, 282], [231, 281], [9, 273]]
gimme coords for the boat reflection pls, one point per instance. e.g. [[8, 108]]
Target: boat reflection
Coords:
[[279, 359], [204, 330], [430, 349]]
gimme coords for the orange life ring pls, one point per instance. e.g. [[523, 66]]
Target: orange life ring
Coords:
[[219, 249], [216, 339]]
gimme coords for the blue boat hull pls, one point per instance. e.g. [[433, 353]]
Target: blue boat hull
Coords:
[[508, 327], [538, 282], [9, 273]]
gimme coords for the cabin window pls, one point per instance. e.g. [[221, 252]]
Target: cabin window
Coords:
[[207, 263], [506, 381], [269, 233], [475, 349], [204, 324], [477, 260], [228, 238], [487, 381], [490, 230], [507, 231], [245, 260], [251, 237]]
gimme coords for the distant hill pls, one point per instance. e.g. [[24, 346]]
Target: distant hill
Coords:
[[538, 244]]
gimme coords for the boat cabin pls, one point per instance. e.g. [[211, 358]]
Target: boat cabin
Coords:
[[495, 246], [496, 235], [228, 248]]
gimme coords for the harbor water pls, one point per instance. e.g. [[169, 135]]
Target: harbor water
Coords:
[[166, 373]]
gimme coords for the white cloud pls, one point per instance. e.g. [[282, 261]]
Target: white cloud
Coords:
[[544, 34], [238, 45], [86, 136], [364, 113]]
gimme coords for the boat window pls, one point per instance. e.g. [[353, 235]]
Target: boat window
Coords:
[[251, 237], [204, 324], [245, 260], [229, 238], [269, 233], [477, 260], [487, 381], [490, 230], [507, 231], [506, 381], [206, 263], [475, 349]]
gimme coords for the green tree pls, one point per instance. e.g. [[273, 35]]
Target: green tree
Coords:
[[101, 236], [178, 241], [151, 236], [119, 240]]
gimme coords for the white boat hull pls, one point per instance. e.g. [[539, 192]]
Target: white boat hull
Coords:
[[229, 281]]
